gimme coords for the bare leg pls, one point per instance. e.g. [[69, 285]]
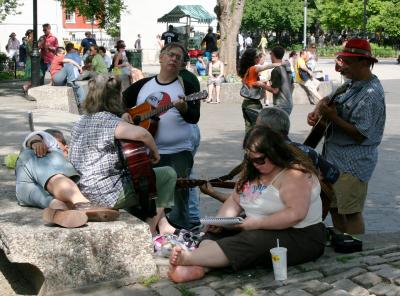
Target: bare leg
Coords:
[[355, 223], [210, 93], [339, 221], [161, 221], [188, 266], [209, 254], [64, 189], [217, 92]]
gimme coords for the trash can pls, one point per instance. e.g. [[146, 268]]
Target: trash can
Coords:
[[135, 57]]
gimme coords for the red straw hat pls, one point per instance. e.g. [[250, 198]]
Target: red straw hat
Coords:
[[357, 48]]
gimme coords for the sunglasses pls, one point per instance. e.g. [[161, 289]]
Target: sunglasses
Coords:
[[258, 160]]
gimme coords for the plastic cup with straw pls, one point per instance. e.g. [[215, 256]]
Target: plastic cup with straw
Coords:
[[279, 262]]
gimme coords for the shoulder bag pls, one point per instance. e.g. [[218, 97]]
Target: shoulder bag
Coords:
[[253, 93]]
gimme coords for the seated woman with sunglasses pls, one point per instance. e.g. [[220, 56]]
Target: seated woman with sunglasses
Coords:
[[280, 197]]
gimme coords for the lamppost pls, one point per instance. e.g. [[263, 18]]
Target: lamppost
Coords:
[[305, 25], [35, 58], [364, 29]]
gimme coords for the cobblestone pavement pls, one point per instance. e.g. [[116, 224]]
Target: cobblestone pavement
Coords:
[[376, 271]]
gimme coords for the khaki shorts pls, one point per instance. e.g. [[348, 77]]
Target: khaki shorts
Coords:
[[350, 194]]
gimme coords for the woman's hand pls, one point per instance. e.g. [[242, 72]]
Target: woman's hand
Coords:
[[207, 188], [154, 157], [127, 117], [213, 229], [249, 223]]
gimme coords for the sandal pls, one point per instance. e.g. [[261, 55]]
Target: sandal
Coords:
[[67, 219], [95, 213]]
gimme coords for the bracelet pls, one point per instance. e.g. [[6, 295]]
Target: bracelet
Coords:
[[35, 141]]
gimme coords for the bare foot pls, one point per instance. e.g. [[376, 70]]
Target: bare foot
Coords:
[[180, 274], [176, 256]]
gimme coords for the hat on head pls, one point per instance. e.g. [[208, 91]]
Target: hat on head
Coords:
[[357, 48]]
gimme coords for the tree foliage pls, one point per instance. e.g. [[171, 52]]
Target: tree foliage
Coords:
[[106, 12], [8, 7], [273, 15]]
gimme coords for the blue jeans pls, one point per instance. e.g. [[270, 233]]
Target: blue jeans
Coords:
[[43, 69], [69, 74], [182, 163], [32, 174], [194, 193]]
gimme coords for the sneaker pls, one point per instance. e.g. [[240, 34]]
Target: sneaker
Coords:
[[95, 213], [67, 219]]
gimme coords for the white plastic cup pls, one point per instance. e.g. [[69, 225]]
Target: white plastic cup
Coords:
[[279, 262]]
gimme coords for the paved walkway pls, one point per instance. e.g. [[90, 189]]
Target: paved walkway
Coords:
[[373, 272]]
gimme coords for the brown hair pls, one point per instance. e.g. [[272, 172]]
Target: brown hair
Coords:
[[264, 140], [104, 94]]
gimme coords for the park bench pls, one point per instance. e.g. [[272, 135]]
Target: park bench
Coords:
[[61, 97], [230, 92], [55, 260]]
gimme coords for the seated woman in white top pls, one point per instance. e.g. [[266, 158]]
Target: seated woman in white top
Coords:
[[280, 197]]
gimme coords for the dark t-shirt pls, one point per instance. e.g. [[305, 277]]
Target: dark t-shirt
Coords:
[[211, 42], [86, 43], [280, 79], [169, 37]]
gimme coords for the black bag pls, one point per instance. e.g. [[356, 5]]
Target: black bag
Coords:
[[304, 75], [253, 93]]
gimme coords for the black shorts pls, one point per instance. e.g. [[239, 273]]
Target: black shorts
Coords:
[[250, 248]]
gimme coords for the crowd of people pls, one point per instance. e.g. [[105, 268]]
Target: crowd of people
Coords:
[[280, 191], [69, 64]]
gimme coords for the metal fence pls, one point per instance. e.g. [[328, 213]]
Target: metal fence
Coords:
[[11, 67], [108, 43]]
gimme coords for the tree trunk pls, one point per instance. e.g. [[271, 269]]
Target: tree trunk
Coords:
[[229, 14]]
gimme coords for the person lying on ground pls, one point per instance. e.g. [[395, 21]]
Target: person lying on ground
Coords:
[[280, 197], [45, 179]]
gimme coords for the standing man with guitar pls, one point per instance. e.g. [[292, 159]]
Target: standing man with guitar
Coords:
[[351, 143], [174, 134]]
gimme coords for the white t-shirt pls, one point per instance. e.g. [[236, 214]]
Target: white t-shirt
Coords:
[[174, 133]]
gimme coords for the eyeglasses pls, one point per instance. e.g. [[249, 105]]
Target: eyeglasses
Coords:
[[174, 55], [258, 160]]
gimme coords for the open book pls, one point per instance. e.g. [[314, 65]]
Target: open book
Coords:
[[221, 221]]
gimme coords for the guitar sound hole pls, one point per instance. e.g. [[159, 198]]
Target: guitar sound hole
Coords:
[[136, 120]]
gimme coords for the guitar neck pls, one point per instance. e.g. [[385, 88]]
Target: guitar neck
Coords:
[[161, 109]]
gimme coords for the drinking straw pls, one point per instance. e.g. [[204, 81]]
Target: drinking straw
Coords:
[[277, 242]]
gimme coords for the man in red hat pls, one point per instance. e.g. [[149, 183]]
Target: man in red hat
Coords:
[[351, 142]]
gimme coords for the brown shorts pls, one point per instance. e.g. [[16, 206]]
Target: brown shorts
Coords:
[[250, 248], [350, 194]]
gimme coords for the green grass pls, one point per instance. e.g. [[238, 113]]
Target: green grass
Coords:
[[150, 280], [186, 292], [344, 259], [249, 291]]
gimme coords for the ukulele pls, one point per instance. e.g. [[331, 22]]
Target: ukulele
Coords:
[[318, 130], [188, 183], [145, 114]]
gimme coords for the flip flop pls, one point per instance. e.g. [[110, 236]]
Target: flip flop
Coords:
[[67, 219]]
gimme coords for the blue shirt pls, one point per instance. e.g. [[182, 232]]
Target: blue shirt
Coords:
[[362, 105], [75, 57], [200, 69]]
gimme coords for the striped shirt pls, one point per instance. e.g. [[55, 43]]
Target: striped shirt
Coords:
[[362, 105]]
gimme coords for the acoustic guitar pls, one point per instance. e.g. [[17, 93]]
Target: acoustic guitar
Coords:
[[319, 129], [188, 183], [135, 158], [145, 114]]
